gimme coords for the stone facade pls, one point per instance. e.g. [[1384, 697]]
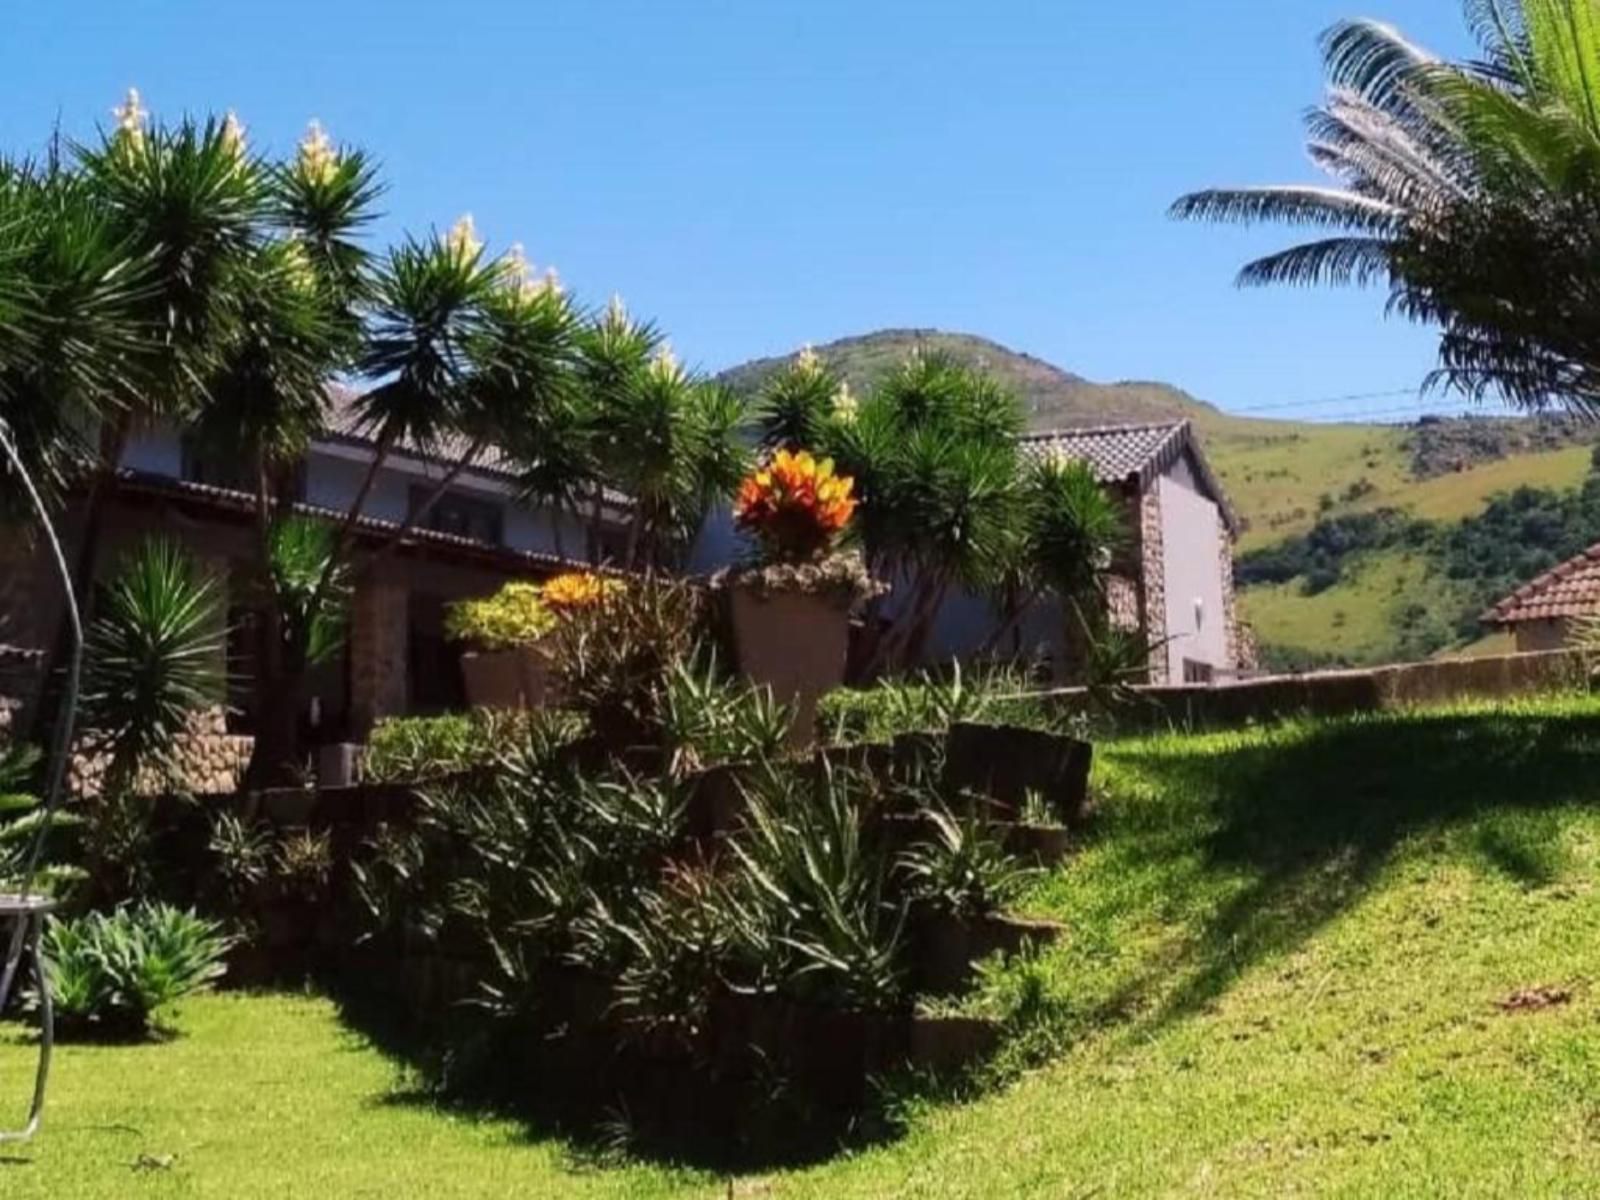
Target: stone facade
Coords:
[[1153, 576], [1240, 655]]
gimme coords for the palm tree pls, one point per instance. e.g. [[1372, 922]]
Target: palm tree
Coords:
[[1472, 189]]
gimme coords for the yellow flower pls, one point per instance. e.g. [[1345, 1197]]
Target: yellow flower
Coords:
[[616, 311], [577, 589], [807, 362], [665, 364], [131, 117], [1057, 459], [233, 134], [845, 406], [463, 237], [317, 159]]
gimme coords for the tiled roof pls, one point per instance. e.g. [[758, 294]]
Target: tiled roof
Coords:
[[1138, 452], [1571, 589], [150, 484]]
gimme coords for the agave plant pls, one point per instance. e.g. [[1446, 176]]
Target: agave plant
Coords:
[[810, 906], [109, 973]]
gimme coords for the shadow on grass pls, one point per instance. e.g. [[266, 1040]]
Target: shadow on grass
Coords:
[[606, 1108], [1310, 820]]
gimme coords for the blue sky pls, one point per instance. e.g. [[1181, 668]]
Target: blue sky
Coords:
[[757, 174]]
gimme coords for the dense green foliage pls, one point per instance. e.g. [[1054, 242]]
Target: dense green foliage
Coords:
[[1319, 557], [110, 972], [1483, 557]]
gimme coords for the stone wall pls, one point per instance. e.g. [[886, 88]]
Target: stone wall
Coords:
[[209, 761], [1339, 693], [379, 616], [1153, 567]]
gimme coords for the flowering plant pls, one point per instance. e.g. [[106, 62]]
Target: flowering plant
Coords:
[[516, 615], [576, 590], [795, 506]]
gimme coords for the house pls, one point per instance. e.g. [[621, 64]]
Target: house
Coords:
[[396, 658], [1544, 614], [1173, 582]]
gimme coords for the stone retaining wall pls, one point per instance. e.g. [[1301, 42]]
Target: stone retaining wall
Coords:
[[1338, 693], [209, 760]]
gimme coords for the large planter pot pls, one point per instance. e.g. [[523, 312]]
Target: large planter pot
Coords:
[[514, 678], [794, 642]]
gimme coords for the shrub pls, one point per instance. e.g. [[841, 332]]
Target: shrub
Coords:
[[576, 590], [613, 659], [108, 973], [707, 719], [928, 704], [417, 749], [20, 819], [810, 904], [514, 616]]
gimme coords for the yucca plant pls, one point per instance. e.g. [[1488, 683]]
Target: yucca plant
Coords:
[[153, 658], [108, 974]]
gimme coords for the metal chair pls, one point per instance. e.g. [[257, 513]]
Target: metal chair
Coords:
[[26, 910], [25, 913]]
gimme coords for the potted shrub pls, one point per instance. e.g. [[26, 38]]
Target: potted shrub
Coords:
[[506, 666], [509, 665], [790, 608]]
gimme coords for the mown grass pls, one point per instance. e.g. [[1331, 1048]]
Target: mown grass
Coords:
[[1289, 949]]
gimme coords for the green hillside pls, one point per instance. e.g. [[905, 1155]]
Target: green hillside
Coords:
[[1282, 478]]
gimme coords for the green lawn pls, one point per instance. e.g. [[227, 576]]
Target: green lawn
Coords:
[[1290, 949]]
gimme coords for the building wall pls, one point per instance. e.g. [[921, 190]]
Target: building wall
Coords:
[[1548, 634], [1194, 544]]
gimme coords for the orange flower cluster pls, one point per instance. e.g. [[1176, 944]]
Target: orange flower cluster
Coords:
[[577, 589], [795, 505]]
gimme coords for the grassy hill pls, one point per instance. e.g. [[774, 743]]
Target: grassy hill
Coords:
[[1282, 477]]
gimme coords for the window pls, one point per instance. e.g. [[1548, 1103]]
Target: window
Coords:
[[1195, 671], [463, 516]]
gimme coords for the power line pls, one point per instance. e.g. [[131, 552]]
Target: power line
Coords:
[[1256, 408]]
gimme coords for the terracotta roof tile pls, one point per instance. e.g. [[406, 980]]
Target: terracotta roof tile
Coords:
[[1571, 589], [1119, 452]]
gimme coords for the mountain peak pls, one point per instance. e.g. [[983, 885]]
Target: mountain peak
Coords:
[[1051, 397]]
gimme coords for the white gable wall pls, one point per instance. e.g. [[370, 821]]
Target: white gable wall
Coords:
[[1192, 543]]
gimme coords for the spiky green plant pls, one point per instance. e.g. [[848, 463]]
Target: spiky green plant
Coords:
[[109, 973], [153, 658]]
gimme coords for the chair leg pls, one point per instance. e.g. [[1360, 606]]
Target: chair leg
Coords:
[[47, 1034]]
